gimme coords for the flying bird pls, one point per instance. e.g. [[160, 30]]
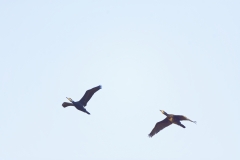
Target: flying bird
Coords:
[[170, 119], [82, 103]]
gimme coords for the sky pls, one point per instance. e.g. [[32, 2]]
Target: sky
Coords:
[[178, 56]]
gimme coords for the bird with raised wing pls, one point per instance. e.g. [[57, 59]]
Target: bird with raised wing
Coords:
[[82, 103], [170, 119]]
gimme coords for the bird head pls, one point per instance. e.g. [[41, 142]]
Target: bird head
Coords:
[[70, 99]]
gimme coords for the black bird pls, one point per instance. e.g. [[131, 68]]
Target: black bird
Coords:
[[83, 101], [168, 121]]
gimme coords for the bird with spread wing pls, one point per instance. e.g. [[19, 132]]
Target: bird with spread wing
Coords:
[[82, 103], [170, 119]]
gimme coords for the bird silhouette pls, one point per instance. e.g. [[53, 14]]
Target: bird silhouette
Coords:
[[82, 103], [170, 119]]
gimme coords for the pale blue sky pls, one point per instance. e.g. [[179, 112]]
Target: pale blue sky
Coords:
[[179, 56]]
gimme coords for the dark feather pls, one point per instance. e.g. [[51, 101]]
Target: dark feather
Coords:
[[66, 104], [182, 118], [88, 95], [159, 126]]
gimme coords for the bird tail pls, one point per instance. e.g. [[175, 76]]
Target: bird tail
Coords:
[[180, 124]]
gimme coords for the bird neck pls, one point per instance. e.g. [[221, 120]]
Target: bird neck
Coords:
[[165, 113]]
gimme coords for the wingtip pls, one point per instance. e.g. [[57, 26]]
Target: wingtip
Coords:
[[64, 104], [100, 86]]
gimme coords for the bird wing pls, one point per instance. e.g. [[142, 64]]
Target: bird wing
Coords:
[[66, 104], [182, 118], [88, 95], [159, 126]]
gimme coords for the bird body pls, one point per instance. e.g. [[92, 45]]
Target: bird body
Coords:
[[82, 103], [170, 119], [80, 106]]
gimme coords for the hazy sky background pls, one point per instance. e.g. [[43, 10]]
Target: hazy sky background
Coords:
[[179, 56]]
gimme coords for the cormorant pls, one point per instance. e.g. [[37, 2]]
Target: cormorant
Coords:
[[168, 121], [83, 101]]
